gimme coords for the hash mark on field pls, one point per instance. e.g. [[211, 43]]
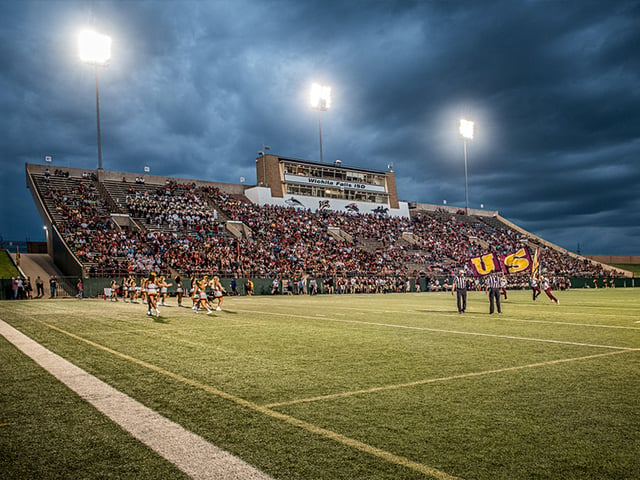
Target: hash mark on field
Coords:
[[442, 379]]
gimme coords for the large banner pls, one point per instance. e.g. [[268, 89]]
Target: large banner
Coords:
[[485, 264], [516, 262]]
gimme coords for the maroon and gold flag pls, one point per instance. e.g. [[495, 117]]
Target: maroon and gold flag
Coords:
[[535, 264], [515, 262], [518, 261], [485, 264]]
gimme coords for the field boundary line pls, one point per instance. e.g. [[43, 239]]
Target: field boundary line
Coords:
[[437, 330], [443, 379], [309, 427], [189, 452]]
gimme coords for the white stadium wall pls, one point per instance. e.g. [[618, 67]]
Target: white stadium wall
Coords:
[[262, 196]]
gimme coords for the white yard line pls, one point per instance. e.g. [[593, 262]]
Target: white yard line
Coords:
[[443, 379], [437, 330], [187, 451]]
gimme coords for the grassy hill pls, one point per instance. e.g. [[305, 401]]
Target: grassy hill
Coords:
[[635, 268], [7, 268]]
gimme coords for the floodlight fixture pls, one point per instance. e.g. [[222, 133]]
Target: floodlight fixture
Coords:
[[466, 129], [94, 48], [321, 101], [320, 97]]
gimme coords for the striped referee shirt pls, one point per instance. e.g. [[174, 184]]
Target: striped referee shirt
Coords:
[[493, 281], [460, 282]]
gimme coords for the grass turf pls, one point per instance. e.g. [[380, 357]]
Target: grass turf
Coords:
[[340, 387], [635, 268], [7, 268]]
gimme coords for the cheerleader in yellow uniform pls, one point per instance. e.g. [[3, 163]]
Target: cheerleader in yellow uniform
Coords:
[[218, 291], [151, 288], [179, 289], [203, 301], [162, 283]]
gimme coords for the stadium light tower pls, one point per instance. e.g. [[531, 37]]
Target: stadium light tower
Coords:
[[263, 154], [466, 130], [321, 101], [95, 49]]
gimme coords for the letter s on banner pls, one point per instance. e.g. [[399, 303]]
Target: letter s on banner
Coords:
[[516, 262]]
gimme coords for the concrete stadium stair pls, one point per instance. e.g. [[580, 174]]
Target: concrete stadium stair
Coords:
[[34, 264]]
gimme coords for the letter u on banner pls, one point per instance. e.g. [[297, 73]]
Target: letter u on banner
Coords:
[[485, 264]]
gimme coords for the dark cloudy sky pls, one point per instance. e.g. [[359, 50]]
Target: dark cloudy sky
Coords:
[[195, 88]]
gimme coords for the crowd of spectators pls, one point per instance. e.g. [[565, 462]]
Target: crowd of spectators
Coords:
[[174, 207], [184, 232]]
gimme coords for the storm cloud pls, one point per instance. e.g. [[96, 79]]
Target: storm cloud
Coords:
[[196, 88]]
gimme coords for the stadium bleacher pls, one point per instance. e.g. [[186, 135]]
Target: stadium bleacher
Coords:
[[122, 227]]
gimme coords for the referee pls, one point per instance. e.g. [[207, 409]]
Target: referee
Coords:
[[460, 287], [493, 285]]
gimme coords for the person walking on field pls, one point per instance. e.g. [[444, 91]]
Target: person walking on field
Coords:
[[535, 288], [53, 286], [39, 287], [460, 287], [179, 289], [503, 285], [152, 295], [14, 287], [546, 286], [163, 285], [493, 285], [114, 291], [218, 292]]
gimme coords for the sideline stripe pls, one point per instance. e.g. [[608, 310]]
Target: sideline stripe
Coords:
[[187, 451], [309, 427], [438, 330], [442, 379]]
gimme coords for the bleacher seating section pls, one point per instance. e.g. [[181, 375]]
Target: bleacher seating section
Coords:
[[186, 229]]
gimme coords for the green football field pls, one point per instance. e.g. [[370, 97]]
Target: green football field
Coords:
[[395, 386]]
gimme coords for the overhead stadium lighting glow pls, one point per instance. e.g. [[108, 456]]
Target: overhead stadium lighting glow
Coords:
[[320, 97], [321, 101], [94, 48], [466, 128]]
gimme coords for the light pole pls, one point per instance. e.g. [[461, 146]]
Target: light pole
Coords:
[[95, 49], [46, 237], [263, 154], [466, 130], [321, 101]]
